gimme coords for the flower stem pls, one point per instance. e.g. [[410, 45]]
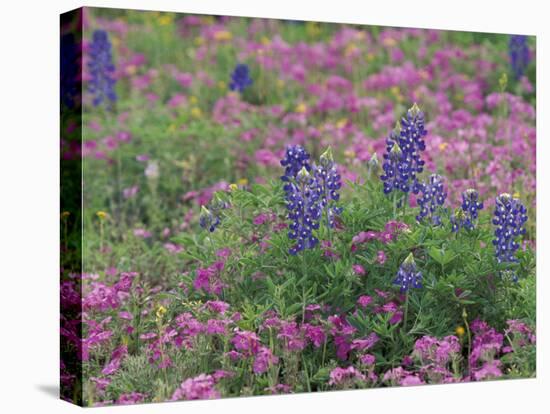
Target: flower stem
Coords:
[[395, 205], [100, 235], [465, 318], [406, 311], [304, 274]]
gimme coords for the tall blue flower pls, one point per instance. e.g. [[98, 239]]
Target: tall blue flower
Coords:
[[509, 219], [295, 158], [471, 204], [329, 183], [518, 50], [458, 220], [400, 173], [466, 216], [240, 78], [304, 210], [102, 70], [433, 196], [207, 220], [408, 275], [373, 165], [210, 218], [71, 57], [395, 172], [412, 143]]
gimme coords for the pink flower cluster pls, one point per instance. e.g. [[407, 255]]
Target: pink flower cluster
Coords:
[[391, 231]]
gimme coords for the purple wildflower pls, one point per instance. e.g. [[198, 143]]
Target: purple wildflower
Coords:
[[408, 275]]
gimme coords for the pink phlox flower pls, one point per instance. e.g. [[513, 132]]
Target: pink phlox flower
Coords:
[[263, 360], [349, 375], [201, 387], [246, 342]]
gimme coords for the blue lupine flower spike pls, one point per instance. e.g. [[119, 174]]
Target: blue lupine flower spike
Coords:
[[329, 184], [509, 219], [518, 50], [432, 198], [466, 216], [394, 176], [240, 78], [412, 144], [302, 193], [295, 158], [207, 220], [102, 70], [408, 275], [403, 161], [210, 218]]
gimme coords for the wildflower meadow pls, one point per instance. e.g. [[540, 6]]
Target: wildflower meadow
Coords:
[[257, 207]]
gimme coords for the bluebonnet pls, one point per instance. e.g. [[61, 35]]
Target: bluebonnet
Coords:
[[240, 78], [395, 175], [519, 54], [408, 275], [70, 55], [403, 159], [210, 218], [433, 196], [329, 183], [411, 141], [509, 218], [467, 214], [304, 210], [295, 158], [458, 220], [102, 69], [373, 165]]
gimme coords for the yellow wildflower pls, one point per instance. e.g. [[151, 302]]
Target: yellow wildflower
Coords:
[[349, 153], [265, 41], [165, 19], [301, 108], [102, 215], [161, 310], [517, 194], [443, 146], [395, 91], [460, 331], [242, 181], [196, 112], [233, 187], [341, 123], [350, 49], [313, 29], [65, 214], [223, 35]]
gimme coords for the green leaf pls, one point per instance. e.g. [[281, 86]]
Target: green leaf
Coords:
[[441, 256]]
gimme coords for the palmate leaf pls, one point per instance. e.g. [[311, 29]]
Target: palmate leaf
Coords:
[[441, 256]]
